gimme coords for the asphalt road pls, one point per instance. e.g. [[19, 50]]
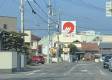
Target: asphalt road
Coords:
[[62, 71]]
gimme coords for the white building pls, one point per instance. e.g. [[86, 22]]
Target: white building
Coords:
[[67, 39], [32, 41]]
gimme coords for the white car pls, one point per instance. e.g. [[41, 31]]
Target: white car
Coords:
[[110, 65]]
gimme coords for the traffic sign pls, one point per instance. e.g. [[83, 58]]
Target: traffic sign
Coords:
[[66, 50]]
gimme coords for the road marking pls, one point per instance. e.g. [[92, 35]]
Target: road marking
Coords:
[[68, 72], [101, 72], [33, 72], [30, 74], [84, 70], [36, 71], [82, 64]]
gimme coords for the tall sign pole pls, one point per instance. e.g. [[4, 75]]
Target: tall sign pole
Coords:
[[49, 43], [22, 15], [58, 47]]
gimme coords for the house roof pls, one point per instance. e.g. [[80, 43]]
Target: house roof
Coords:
[[90, 47], [34, 37], [105, 45]]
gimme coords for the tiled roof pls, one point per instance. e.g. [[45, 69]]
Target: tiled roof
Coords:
[[33, 37], [90, 47]]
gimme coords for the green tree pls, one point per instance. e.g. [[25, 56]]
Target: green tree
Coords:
[[73, 49], [12, 41]]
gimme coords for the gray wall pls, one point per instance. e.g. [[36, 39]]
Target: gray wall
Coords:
[[11, 23], [11, 61]]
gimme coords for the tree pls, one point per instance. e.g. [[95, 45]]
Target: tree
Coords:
[[73, 49], [76, 41], [12, 41]]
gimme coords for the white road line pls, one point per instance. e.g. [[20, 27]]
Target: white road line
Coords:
[[84, 70], [82, 64], [33, 72], [101, 72], [30, 74], [68, 72], [36, 71]]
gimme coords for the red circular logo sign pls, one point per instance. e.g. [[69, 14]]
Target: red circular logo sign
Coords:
[[69, 26]]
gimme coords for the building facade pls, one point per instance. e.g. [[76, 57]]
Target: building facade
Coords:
[[8, 23], [32, 41]]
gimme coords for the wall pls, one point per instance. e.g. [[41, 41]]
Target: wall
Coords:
[[5, 60], [11, 23], [65, 57], [106, 38], [22, 60], [63, 38], [88, 38], [28, 37], [14, 59], [34, 44], [8, 62], [45, 49], [81, 38]]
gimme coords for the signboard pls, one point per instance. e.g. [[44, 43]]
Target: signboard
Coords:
[[68, 27], [52, 50], [66, 50], [109, 8]]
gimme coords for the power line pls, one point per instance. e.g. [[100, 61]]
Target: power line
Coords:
[[38, 29], [34, 12], [40, 7], [45, 12]]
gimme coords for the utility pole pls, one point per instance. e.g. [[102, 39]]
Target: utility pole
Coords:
[[22, 16], [49, 22], [58, 46]]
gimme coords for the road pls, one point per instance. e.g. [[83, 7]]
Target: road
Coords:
[[62, 71]]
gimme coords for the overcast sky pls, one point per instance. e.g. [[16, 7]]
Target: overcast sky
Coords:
[[89, 14]]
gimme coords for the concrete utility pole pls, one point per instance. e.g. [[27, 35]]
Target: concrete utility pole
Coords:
[[58, 47], [22, 15], [49, 22]]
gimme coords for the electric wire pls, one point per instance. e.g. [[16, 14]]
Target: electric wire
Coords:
[[44, 12], [34, 12]]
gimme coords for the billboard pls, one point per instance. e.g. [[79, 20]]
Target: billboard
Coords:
[[68, 27]]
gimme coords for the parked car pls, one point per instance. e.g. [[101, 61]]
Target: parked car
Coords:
[[110, 65], [106, 61], [38, 59]]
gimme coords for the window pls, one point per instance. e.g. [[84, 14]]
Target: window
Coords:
[[5, 26]]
